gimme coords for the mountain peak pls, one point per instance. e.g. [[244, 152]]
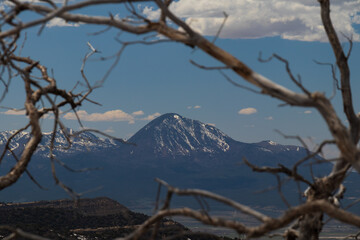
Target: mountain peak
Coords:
[[172, 134], [172, 117]]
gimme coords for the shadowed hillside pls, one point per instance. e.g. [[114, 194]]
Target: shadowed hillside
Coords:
[[99, 218]]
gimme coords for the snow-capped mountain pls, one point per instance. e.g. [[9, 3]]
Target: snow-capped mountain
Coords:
[[174, 139], [174, 135], [18, 141], [85, 141]]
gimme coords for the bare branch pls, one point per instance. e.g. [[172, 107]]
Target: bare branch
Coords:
[[297, 81], [237, 84], [252, 232], [341, 61], [207, 68], [28, 173], [198, 192], [335, 79], [70, 169], [221, 27], [280, 169], [6, 148]]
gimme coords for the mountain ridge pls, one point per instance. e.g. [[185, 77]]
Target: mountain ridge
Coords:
[[176, 139], [182, 151], [192, 134], [84, 141]]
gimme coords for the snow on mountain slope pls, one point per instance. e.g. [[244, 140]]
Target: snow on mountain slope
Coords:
[[174, 135], [85, 141], [274, 147]]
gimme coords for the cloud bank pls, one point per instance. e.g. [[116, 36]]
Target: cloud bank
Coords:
[[14, 112], [151, 117], [110, 116], [293, 20], [194, 107], [138, 113], [247, 111], [58, 22]]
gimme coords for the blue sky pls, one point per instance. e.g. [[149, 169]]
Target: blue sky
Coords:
[[157, 79]]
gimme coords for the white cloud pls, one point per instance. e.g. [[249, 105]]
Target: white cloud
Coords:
[[109, 116], [247, 111], [194, 107], [55, 22], [14, 112], [58, 22], [294, 20], [308, 112], [151, 13], [151, 117], [269, 118], [138, 113]]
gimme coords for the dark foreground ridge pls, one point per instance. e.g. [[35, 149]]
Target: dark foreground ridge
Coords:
[[88, 219]]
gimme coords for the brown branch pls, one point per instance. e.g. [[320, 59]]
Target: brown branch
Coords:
[[221, 27], [197, 192], [353, 236], [280, 169], [28, 173], [6, 148], [191, 38], [63, 13], [341, 61], [74, 195], [335, 79], [297, 81], [252, 232], [14, 174], [207, 68]]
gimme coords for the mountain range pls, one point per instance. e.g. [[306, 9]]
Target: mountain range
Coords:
[[169, 136], [186, 153]]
